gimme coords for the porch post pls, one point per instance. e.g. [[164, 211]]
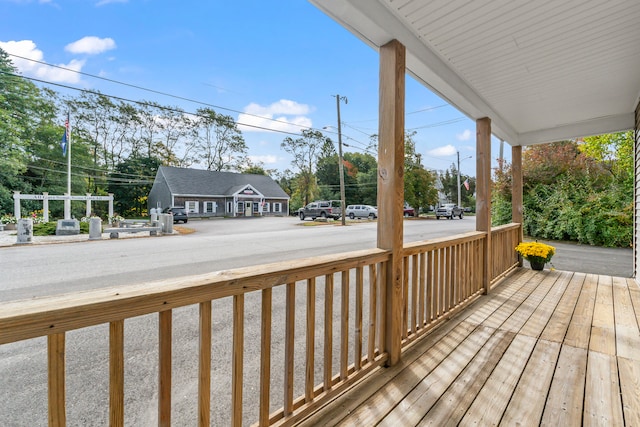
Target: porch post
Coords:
[[516, 190], [391, 188], [483, 194]]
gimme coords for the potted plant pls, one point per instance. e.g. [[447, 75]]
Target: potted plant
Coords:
[[538, 254], [9, 221]]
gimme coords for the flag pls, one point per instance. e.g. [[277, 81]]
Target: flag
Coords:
[[65, 137], [466, 184]]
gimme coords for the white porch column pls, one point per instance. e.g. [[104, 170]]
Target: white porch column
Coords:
[[110, 205], [16, 204], [483, 193], [45, 207], [88, 209], [67, 206], [391, 188]]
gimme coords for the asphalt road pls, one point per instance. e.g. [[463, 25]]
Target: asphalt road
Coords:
[[38, 270]]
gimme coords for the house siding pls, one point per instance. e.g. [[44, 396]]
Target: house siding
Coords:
[[222, 206]]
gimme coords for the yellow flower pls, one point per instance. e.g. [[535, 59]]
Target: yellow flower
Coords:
[[535, 251]]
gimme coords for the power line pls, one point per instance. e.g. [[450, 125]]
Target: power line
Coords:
[[152, 91]]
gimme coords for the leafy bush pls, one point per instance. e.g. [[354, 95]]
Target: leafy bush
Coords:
[[49, 228]]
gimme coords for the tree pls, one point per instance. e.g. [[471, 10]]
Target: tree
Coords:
[[23, 110], [220, 143], [305, 151], [419, 188], [131, 183]]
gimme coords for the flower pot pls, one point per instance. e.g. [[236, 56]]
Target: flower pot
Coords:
[[10, 226], [536, 265]]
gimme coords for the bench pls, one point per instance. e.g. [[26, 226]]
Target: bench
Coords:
[[134, 226]]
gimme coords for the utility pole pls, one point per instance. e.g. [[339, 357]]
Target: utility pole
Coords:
[[343, 205], [459, 199]]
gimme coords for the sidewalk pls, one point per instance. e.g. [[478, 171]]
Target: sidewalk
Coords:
[[9, 238]]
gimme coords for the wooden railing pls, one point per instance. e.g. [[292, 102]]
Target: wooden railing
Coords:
[[440, 277], [504, 258], [337, 302]]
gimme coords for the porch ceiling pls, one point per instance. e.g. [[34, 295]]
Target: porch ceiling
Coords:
[[541, 70]]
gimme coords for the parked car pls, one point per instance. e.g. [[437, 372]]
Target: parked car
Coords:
[[409, 211], [179, 214], [321, 209], [449, 210], [361, 211]]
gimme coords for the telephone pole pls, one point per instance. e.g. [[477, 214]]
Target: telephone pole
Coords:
[[343, 205]]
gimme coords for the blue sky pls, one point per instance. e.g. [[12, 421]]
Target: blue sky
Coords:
[[281, 60]]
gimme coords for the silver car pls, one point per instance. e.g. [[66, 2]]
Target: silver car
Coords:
[[361, 211]]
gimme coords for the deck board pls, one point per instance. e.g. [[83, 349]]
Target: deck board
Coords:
[[543, 348]]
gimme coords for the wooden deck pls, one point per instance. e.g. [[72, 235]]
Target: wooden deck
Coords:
[[544, 348]]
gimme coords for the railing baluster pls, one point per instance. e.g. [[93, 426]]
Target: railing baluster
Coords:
[[344, 326], [422, 290], [382, 297], [357, 340], [265, 358], [442, 252], [164, 368], [238, 360], [116, 373], [414, 293], [430, 281], [405, 297], [311, 334], [373, 311], [328, 330], [289, 341], [57, 398], [204, 365]]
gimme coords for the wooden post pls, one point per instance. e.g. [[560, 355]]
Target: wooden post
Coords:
[[483, 194], [391, 188], [516, 190]]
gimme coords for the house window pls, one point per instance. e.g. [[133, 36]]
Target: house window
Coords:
[[210, 207], [229, 207], [191, 206], [240, 207], [277, 207], [256, 207], [265, 207]]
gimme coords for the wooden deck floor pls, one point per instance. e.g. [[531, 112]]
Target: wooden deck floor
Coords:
[[544, 348]]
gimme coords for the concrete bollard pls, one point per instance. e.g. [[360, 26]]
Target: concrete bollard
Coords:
[[167, 223], [25, 231], [95, 229]]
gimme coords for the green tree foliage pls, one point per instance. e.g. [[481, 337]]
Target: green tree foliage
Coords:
[[26, 121], [306, 152], [449, 180], [131, 183], [220, 145], [419, 188], [576, 191]]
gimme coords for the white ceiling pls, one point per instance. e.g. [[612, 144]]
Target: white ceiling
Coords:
[[542, 70]]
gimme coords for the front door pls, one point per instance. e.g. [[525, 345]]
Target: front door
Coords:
[[248, 208]]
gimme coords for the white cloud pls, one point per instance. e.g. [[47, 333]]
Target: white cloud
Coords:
[[27, 49], [447, 150], [268, 159], [284, 115], [91, 45], [105, 2], [465, 135]]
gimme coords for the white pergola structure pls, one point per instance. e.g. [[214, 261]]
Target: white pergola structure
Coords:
[[528, 72]]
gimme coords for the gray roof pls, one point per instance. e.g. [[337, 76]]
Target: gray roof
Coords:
[[214, 183]]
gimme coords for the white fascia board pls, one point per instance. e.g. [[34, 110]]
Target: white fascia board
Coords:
[[201, 195], [598, 126], [374, 24]]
